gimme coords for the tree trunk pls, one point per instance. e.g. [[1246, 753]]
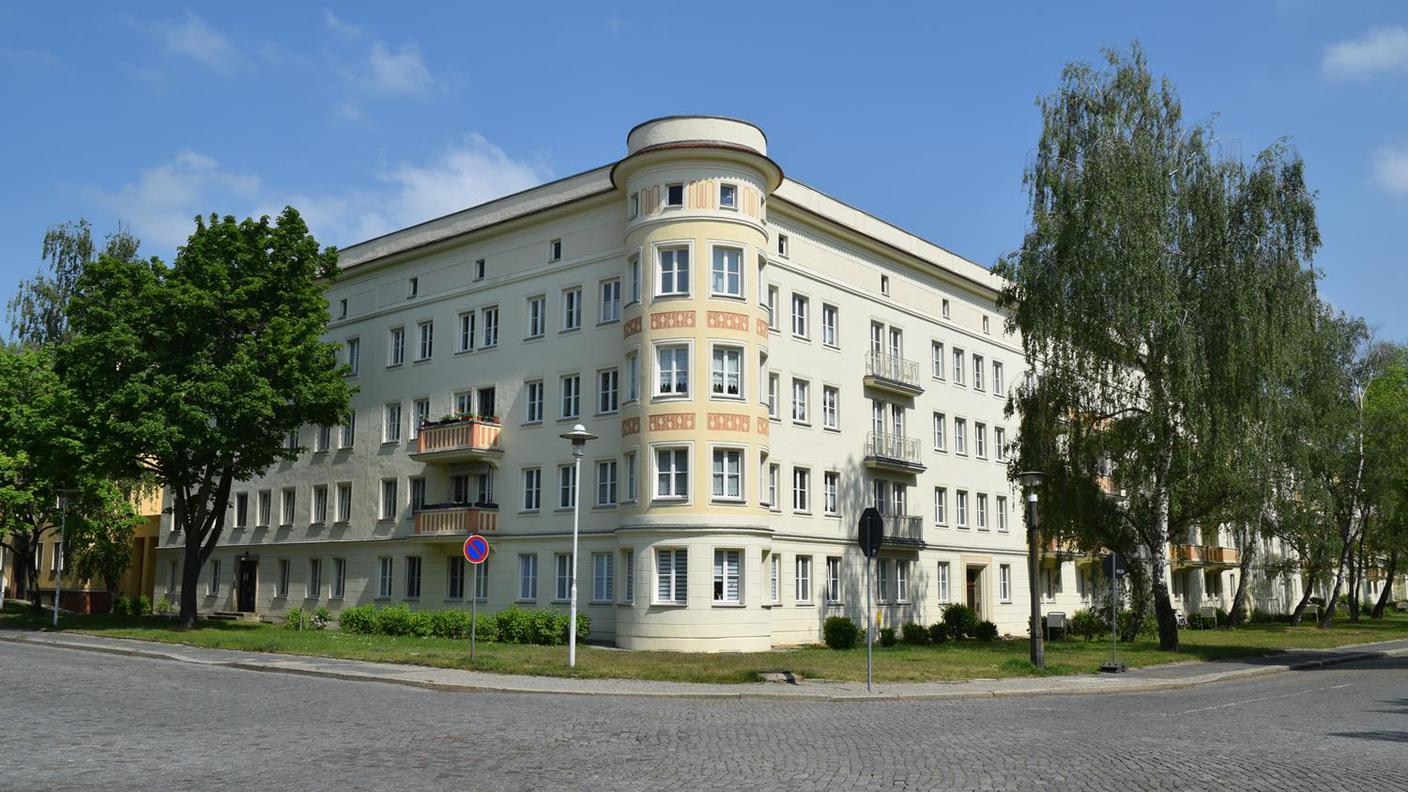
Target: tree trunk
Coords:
[[1357, 574], [1308, 590], [1234, 617], [1387, 594], [1158, 560]]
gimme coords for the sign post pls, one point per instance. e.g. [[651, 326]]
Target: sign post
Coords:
[[871, 532], [476, 552], [1114, 569]]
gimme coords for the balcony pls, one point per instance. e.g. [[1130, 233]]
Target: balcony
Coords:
[[892, 373], [903, 530], [1207, 556], [458, 442], [896, 453], [457, 519]]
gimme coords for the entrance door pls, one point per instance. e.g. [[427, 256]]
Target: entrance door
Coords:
[[249, 575], [975, 590]]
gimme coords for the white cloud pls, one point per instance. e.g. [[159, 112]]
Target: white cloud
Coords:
[[398, 73], [1391, 169], [193, 38], [163, 201], [1379, 50]]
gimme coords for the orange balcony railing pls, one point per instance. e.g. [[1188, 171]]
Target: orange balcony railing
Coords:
[[468, 440], [457, 519]]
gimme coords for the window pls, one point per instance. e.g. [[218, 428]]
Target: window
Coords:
[[281, 582], [391, 426], [672, 473], [941, 582], [801, 397], [774, 481], [977, 372], [672, 362], [981, 502], [980, 440], [322, 438], [606, 483], [833, 579], [882, 580], [628, 562], [633, 268], [555, 250], [491, 326], [412, 577], [829, 335], [726, 372], [801, 325], [383, 582], [633, 206], [397, 351], [674, 195], [946, 309], [940, 506], [571, 385], [608, 384], [342, 308], [727, 576], [572, 309], [775, 578], [831, 407], [417, 493], [673, 273], [937, 359], [354, 355], [527, 576], [610, 300], [349, 431], [728, 196], [344, 502], [480, 266], [902, 581], [632, 494], [804, 579], [671, 576], [241, 510], [957, 367], [1002, 513], [413, 287], [728, 474], [801, 489], [427, 340], [537, 316], [960, 435], [830, 483], [773, 319], [999, 442], [997, 378], [320, 505], [566, 486], [939, 421], [388, 499], [1004, 582], [726, 275], [266, 508], [420, 415], [532, 489], [986, 327], [962, 496], [213, 587], [782, 245], [562, 590], [286, 512], [885, 285], [291, 440], [466, 332], [454, 577], [603, 577], [533, 402], [774, 385], [339, 577]]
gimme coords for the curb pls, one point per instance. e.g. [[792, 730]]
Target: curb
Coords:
[[276, 666]]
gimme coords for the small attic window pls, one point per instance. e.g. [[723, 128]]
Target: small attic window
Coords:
[[413, 287], [885, 284]]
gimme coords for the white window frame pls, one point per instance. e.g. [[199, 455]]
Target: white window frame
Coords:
[[674, 576], [1004, 583], [390, 499], [675, 369], [344, 502], [610, 309], [354, 356], [570, 388], [832, 595], [721, 474], [385, 579], [960, 516], [801, 490], [801, 316], [489, 325], [606, 474], [679, 489], [719, 267], [571, 309], [562, 577], [425, 332], [603, 577], [724, 575], [527, 577], [728, 189], [803, 578], [534, 391], [830, 492], [940, 506], [466, 334], [396, 347], [537, 316], [532, 478], [566, 487], [830, 326], [1000, 508], [801, 401], [676, 268], [721, 376], [608, 391], [830, 407]]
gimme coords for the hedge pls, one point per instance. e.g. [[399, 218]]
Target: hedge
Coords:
[[545, 626]]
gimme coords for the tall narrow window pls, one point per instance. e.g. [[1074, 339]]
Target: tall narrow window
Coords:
[[997, 388], [958, 367], [281, 582], [726, 373], [606, 483], [397, 347], [673, 272], [628, 563], [902, 580], [831, 483], [831, 407], [572, 309], [940, 439], [833, 579], [610, 300], [773, 318], [571, 385], [491, 326], [672, 363], [941, 582], [603, 577], [632, 491], [555, 250], [533, 402], [671, 576], [537, 316], [608, 390], [672, 473], [454, 577], [999, 443], [804, 578], [960, 435], [962, 505], [389, 506], [339, 577], [633, 270], [775, 578], [980, 440], [728, 582], [829, 325], [412, 577], [480, 269], [726, 274], [527, 576], [728, 474], [774, 385], [344, 502], [383, 581], [466, 332], [801, 489], [940, 506], [241, 510], [319, 513], [981, 507], [563, 579], [1004, 582], [391, 429], [978, 372], [801, 322], [1001, 510], [532, 489], [427, 340], [937, 360], [801, 399], [354, 355], [566, 486]]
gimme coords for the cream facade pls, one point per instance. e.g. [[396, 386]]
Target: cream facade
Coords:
[[759, 360]]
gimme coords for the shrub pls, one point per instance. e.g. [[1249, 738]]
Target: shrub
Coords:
[[960, 620], [320, 618], [985, 631], [143, 605], [163, 606], [359, 620], [887, 636], [422, 623], [394, 620], [584, 626], [119, 605], [840, 632], [449, 623], [544, 627], [938, 632], [914, 634], [293, 619], [486, 628], [513, 625], [1087, 624]]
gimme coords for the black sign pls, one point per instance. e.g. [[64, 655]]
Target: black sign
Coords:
[[872, 531], [1113, 566]]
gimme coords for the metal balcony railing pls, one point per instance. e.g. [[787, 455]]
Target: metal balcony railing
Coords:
[[893, 370], [892, 449]]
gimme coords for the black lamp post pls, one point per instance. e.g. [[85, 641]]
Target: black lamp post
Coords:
[[1031, 480]]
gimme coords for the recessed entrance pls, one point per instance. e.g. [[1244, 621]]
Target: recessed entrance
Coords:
[[246, 582], [975, 589]]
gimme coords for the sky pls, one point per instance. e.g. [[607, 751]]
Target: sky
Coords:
[[369, 117]]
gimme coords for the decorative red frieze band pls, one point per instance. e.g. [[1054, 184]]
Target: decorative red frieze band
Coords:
[[629, 426], [727, 320], [672, 422], [631, 327], [728, 422], [761, 328], [762, 426], [668, 320]]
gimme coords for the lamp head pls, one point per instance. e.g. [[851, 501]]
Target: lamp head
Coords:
[[579, 437], [1031, 479]]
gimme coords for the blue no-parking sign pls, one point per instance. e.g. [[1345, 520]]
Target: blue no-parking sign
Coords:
[[476, 549]]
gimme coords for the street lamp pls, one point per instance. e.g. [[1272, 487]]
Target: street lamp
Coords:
[[59, 561], [1030, 481], [579, 437]]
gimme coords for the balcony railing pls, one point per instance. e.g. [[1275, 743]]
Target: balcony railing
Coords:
[[457, 518], [1206, 555], [893, 373], [468, 440], [893, 452], [903, 529]]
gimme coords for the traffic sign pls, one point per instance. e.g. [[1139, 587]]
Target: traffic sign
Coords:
[[872, 531], [1113, 566], [476, 549]]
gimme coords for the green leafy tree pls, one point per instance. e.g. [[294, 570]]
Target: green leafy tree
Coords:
[[1155, 291], [38, 312], [1386, 436], [101, 548], [197, 371]]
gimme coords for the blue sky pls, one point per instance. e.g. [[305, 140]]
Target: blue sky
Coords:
[[370, 116]]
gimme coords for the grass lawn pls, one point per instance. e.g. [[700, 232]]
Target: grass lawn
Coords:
[[948, 661]]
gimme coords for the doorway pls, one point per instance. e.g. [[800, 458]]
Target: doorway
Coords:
[[975, 590], [248, 579]]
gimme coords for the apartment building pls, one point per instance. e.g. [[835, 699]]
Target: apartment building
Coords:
[[760, 361]]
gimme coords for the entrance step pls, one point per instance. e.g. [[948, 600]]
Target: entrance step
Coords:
[[232, 616]]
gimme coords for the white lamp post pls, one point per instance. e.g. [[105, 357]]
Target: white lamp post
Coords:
[[579, 437], [1030, 480], [60, 562]]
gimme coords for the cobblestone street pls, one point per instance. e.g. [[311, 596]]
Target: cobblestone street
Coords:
[[84, 720]]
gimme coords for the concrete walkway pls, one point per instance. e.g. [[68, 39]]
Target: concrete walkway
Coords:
[[1163, 677]]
